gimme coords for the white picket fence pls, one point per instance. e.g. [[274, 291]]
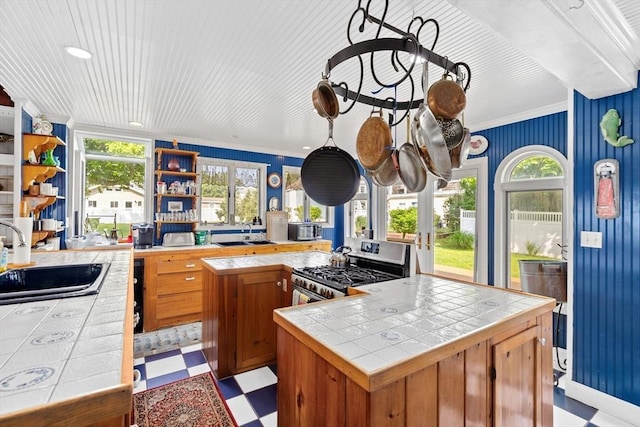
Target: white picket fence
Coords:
[[540, 228]]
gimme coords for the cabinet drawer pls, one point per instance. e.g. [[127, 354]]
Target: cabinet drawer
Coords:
[[184, 304], [169, 265], [173, 283]]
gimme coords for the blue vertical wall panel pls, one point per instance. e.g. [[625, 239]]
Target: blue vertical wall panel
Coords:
[[275, 164], [606, 290], [550, 130]]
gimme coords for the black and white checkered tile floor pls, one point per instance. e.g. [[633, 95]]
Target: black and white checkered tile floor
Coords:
[[251, 396]]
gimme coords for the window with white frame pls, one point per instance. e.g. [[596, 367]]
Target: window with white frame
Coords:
[[298, 205], [111, 169], [359, 212], [232, 192]]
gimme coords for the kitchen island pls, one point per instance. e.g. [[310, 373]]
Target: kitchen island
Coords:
[[69, 361], [173, 277], [415, 351]]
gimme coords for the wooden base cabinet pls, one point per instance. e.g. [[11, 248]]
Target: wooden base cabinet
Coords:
[[504, 381], [238, 330], [174, 297]]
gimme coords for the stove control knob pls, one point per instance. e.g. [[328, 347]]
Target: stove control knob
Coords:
[[330, 295]]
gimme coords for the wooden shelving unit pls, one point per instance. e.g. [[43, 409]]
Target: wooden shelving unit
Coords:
[[189, 173]]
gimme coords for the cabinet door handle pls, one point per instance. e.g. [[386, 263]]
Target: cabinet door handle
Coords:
[[543, 341], [188, 279], [190, 265], [279, 283]]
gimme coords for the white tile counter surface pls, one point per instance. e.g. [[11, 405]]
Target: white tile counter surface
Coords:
[[291, 259], [398, 319], [63, 348]]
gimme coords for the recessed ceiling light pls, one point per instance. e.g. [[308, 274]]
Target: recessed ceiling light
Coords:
[[78, 52], [306, 147], [134, 123]]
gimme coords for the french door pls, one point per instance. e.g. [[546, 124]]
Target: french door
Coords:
[[452, 223]]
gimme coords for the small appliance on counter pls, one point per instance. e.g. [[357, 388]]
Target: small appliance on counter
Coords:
[[142, 236], [276, 224], [178, 239], [304, 231]]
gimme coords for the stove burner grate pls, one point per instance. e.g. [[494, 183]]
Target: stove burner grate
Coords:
[[344, 276]]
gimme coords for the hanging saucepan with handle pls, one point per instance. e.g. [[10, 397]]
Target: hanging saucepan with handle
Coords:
[[329, 175], [325, 100], [374, 139], [429, 141], [410, 167], [386, 174], [460, 153]]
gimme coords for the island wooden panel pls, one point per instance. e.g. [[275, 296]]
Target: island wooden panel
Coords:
[[238, 329], [458, 390]]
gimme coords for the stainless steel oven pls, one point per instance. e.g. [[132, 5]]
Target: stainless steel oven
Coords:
[[371, 261]]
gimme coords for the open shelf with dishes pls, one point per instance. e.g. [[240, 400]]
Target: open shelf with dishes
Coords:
[[176, 201]]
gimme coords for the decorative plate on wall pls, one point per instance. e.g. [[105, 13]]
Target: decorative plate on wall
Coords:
[[274, 180], [478, 144]]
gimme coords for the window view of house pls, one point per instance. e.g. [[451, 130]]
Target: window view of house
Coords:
[[402, 213], [114, 185], [232, 193]]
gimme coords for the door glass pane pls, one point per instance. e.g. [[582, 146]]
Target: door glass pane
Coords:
[[454, 223], [402, 218], [359, 211], [246, 194], [535, 229], [214, 204]]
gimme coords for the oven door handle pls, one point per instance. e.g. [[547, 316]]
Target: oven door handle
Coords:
[[311, 296]]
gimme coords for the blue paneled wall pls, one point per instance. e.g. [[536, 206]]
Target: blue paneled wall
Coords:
[[548, 130], [275, 164], [606, 289]]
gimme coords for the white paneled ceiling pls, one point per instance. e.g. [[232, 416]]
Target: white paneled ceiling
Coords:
[[239, 73]]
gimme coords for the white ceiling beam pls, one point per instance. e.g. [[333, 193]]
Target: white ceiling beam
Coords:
[[575, 40]]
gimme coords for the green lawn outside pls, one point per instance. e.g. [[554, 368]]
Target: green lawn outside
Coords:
[[463, 258]]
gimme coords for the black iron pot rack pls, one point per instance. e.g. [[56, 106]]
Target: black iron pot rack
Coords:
[[408, 42]]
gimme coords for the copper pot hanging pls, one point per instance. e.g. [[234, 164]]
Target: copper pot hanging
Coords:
[[446, 98], [325, 100], [373, 141]]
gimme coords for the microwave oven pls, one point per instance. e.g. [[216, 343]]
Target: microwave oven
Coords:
[[304, 231]]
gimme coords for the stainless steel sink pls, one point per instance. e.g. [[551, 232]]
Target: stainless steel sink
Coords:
[[245, 243], [51, 282]]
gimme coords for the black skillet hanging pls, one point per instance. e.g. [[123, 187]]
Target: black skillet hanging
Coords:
[[330, 176]]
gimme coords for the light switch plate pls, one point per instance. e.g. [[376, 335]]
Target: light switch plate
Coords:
[[591, 239]]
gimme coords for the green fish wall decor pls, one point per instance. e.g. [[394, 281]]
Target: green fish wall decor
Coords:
[[609, 126]]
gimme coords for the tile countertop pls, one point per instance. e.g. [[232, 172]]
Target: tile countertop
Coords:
[[396, 320], [290, 259], [55, 350]]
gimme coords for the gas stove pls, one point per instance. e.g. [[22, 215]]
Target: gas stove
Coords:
[[371, 262]]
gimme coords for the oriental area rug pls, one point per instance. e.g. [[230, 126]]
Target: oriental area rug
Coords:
[[192, 402]]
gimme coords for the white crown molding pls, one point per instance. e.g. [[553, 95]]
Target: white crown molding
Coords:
[[30, 109], [519, 117]]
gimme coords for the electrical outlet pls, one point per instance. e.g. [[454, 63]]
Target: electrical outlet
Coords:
[[591, 239]]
